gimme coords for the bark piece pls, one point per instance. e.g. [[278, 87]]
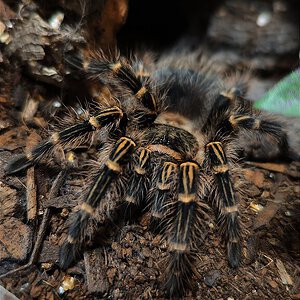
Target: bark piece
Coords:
[[31, 195], [265, 216], [96, 276], [13, 139], [15, 239], [8, 201], [255, 176], [285, 277]]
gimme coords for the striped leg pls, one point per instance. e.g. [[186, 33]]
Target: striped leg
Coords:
[[68, 135], [234, 122], [184, 231], [138, 183], [227, 208], [163, 189], [103, 180], [122, 71]]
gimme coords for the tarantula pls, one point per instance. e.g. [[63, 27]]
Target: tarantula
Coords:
[[170, 139]]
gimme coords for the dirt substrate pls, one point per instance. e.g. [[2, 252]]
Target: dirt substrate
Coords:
[[129, 263], [35, 206]]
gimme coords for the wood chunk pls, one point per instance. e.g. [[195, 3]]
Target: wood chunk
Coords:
[[15, 239], [30, 109], [96, 276], [49, 252], [31, 38], [285, 277], [251, 250], [32, 140], [266, 215], [6, 12], [292, 169], [255, 176], [8, 201], [13, 139], [31, 195], [65, 201]]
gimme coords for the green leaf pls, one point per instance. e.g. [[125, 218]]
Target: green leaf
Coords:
[[284, 97]]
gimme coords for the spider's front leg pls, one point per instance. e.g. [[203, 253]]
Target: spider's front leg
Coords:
[[166, 176], [184, 230], [112, 168], [138, 183], [69, 135], [225, 203]]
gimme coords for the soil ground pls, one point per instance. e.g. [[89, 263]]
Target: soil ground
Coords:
[[128, 264]]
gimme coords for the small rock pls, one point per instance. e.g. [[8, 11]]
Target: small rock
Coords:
[[146, 252], [111, 273], [211, 277], [127, 252], [265, 194], [255, 191], [68, 283], [273, 284]]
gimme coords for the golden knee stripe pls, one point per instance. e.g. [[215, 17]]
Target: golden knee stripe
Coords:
[[188, 170], [87, 209], [220, 169], [186, 198], [144, 157], [116, 67], [141, 92], [114, 166], [125, 144]]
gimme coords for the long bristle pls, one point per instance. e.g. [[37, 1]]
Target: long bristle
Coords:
[[70, 249], [18, 164], [179, 272], [234, 253]]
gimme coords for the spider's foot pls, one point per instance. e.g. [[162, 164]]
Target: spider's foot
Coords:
[[234, 253]]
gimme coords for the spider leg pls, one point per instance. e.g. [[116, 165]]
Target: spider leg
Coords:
[[118, 73], [162, 193], [124, 73], [225, 203], [243, 117], [138, 183], [103, 118], [254, 123], [112, 168], [184, 231]]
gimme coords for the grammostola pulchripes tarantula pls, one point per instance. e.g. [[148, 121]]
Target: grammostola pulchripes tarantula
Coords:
[[169, 137]]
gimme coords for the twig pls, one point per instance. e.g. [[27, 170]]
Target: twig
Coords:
[[46, 217]]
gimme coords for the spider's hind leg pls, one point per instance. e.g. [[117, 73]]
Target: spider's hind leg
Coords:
[[109, 172]]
